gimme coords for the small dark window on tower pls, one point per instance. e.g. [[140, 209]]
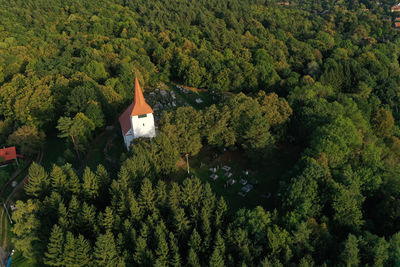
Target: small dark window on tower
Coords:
[[143, 124], [142, 116]]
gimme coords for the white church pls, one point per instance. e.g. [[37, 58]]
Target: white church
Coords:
[[137, 120]]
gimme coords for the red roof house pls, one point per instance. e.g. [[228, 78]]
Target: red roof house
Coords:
[[396, 8], [7, 154]]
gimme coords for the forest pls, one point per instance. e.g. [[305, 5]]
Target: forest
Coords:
[[321, 76]]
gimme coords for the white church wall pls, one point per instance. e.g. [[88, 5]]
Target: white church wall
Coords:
[[143, 126]]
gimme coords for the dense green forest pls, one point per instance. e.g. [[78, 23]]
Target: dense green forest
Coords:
[[320, 75]]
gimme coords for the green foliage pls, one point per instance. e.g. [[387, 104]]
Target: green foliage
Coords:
[[349, 256], [54, 254], [336, 140], [38, 182], [28, 139], [96, 70], [79, 129], [331, 73]]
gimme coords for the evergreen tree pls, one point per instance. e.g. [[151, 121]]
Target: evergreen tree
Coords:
[[103, 180], [349, 256], [216, 259], [105, 252], [181, 222], [147, 196], [59, 180], [54, 254], [139, 255], [38, 182], [193, 259], [74, 208], [90, 185], [109, 219], [83, 252], [162, 251], [175, 258], [70, 250], [195, 241], [74, 184], [220, 212]]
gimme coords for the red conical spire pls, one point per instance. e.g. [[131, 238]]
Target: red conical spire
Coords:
[[140, 106]]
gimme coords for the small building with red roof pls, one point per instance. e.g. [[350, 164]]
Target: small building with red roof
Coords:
[[137, 120], [396, 8], [8, 155]]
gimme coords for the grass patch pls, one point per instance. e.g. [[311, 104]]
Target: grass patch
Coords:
[[53, 152], [95, 154], [268, 175], [18, 179], [106, 150], [5, 174], [192, 95]]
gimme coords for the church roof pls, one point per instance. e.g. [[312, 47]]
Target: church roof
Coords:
[[138, 107], [125, 119]]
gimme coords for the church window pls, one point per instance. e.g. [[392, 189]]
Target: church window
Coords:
[[142, 116]]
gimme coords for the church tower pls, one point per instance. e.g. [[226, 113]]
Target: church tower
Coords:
[[137, 120]]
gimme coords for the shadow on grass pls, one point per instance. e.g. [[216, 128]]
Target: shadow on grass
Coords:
[[265, 176]]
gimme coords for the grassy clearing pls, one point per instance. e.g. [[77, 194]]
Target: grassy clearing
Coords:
[[95, 154], [5, 174], [53, 152], [18, 179], [267, 175], [192, 95]]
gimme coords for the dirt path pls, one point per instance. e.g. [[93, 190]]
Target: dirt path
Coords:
[[5, 229], [3, 217], [1, 220]]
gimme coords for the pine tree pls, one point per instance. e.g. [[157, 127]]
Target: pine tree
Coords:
[[216, 259], [195, 241], [174, 196], [161, 193], [70, 250], [87, 219], [181, 221], [90, 185], [220, 212], [54, 254], [134, 209], [193, 259], [162, 246], [175, 258], [220, 243], [74, 184], [206, 228], [59, 180], [147, 196], [108, 219], [83, 252], [38, 182], [349, 256], [105, 252], [74, 208], [63, 217], [103, 180], [139, 255]]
